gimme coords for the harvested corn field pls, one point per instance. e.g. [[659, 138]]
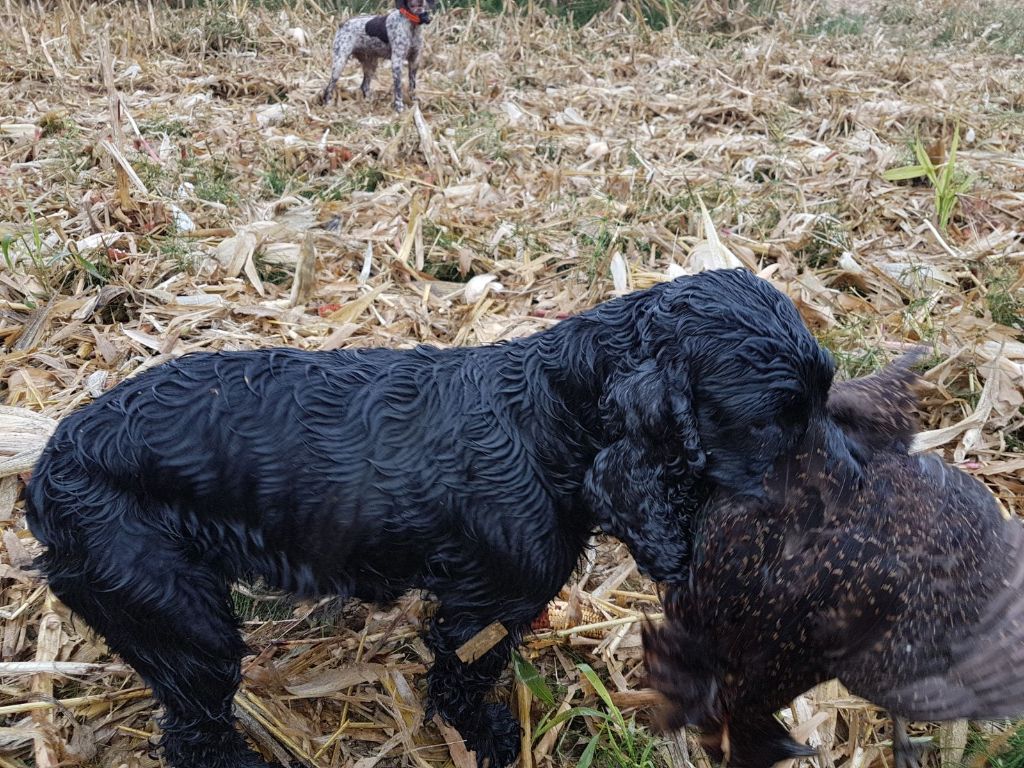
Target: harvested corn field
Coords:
[[171, 183]]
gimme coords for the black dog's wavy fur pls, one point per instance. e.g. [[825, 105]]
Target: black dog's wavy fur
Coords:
[[477, 474]]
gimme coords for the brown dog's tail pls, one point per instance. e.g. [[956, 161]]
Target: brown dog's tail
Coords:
[[880, 409]]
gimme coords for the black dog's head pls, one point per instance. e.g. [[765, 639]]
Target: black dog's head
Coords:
[[753, 372], [420, 9], [724, 379], [746, 374]]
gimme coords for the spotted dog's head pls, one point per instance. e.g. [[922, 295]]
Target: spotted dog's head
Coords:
[[417, 11]]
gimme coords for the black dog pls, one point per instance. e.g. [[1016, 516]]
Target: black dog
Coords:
[[476, 474]]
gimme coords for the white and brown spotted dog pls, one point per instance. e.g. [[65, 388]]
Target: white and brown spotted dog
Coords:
[[369, 39]]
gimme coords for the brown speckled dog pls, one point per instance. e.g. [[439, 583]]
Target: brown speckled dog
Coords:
[[902, 580], [369, 39]]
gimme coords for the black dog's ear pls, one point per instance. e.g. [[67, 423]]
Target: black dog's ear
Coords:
[[642, 485]]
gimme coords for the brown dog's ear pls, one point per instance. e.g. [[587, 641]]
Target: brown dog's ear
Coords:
[[643, 485], [880, 409]]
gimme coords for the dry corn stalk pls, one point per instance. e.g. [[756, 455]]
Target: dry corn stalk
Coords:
[[560, 616]]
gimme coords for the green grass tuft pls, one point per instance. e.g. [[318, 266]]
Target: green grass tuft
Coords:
[[271, 272], [177, 249], [845, 23], [258, 607], [213, 180], [997, 751], [366, 179], [225, 32], [162, 127], [828, 241], [276, 181], [1005, 305], [612, 742]]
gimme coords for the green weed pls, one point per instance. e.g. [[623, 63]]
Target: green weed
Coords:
[[366, 179], [946, 180], [532, 679], [73, 155], [98, 270], [225, 32], [57, 124], [598, 247], [271, 272], [1006, 752], [447, 271], [440, 245], [615, 741], [276, 181], [1000, 25], [253, 606], [855, 347], [213, 181], [31, 243], [152, 174], [1015, 439], [164, 126], [177, 250], [1005, 303]]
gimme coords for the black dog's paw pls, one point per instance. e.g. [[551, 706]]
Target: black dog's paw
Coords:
[[252, 760], [224, 750], [497, 744]]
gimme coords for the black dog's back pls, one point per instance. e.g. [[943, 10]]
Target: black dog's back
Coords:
[[342, 462]]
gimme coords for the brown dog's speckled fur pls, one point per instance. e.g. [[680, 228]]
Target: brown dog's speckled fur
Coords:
[[903, 580]]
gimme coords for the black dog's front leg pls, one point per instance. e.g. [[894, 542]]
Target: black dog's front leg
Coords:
[[457, 691]]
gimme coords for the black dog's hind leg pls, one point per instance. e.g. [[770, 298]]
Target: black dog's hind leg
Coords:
[[168, 614], [457, 691]]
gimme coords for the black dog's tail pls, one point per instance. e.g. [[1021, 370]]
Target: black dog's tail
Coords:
[[45, 519], [59, 498], [24, 435]]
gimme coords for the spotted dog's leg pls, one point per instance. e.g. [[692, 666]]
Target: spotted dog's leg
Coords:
[[414, 65], [344, 42], [399, 54], [369, 68]]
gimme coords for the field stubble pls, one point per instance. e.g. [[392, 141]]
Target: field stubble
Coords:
[[170, 183]]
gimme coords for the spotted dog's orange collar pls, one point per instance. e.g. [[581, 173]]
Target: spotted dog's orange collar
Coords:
[[410, 15]]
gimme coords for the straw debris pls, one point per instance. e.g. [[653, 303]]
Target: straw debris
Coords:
[[169, 183]]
